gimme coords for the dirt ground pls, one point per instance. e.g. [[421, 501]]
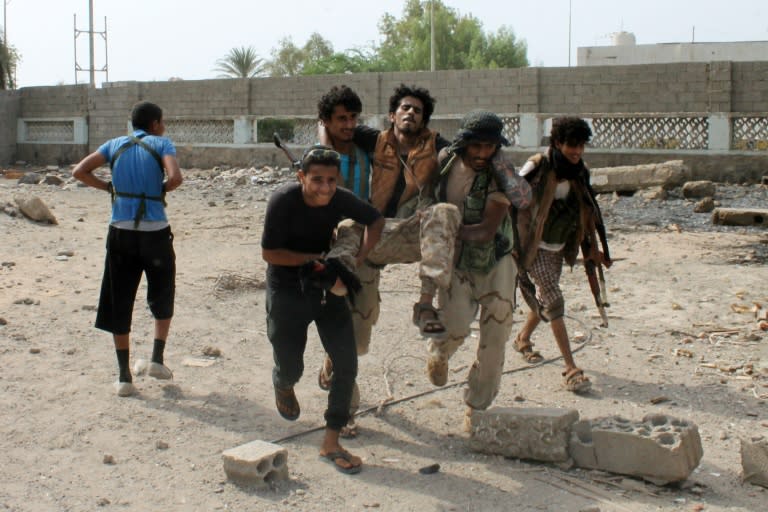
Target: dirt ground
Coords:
[[683, 340]]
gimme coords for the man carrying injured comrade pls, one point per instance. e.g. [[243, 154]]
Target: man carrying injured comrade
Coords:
[[485, 271], [404, 171]]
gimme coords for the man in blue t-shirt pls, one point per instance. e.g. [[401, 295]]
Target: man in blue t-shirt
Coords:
[[339, 112], [139, 240]]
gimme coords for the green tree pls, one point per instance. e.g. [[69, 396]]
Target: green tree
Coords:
[[287, 59], [8, 60], [460, 42], [240, 63], [316, 57], [356, 60]]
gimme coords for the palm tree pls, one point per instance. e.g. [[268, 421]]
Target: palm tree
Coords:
[[240, 63]]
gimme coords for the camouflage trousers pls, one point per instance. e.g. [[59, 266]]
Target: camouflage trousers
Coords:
[[427, 237], [494, 294]]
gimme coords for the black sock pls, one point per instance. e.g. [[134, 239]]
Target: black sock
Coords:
[[157, 351], [123, 358]]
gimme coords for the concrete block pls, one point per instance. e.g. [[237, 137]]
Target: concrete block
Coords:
[[698, 189], [754, 460], [635, 177], [257, 462], [740, 216], [525, 433], [660, 448]]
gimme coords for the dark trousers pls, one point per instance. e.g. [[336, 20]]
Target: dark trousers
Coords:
[[129, 255], [289, 313]]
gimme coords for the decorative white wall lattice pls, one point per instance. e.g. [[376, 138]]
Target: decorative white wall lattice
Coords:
[[511, 128], [304, 132], [201, 131], [645, 132], [50, 131], [749, 133]]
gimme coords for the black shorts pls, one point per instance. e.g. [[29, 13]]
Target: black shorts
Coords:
[[129, 255]]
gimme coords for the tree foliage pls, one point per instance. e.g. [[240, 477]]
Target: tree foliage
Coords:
[[317, 57], [460, 43], [8, 60], [240, 63]]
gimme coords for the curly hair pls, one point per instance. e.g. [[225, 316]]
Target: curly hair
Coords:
[[569, 130], [417, 92], [338, 95]]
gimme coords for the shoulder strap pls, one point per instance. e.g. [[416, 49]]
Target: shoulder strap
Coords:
[[133, 141], [443, 167]]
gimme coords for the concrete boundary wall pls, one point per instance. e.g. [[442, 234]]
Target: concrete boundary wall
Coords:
[[707, 89], [9, 113]]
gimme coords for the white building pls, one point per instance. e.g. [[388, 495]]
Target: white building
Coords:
[[625, 51]]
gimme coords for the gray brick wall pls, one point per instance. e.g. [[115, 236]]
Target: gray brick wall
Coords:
[[9, 112], [686, 87]]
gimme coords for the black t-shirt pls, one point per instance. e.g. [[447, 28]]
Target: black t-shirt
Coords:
[[291, 224]]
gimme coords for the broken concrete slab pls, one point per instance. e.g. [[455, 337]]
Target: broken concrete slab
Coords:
[[754, 460], [631, 178], [705, 205], [30, 178], [698, 189], [35, 209], [740, 217], [660, 448], [524, 433], [257, 462]]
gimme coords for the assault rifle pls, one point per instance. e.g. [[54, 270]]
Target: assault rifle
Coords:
[[594, 259]]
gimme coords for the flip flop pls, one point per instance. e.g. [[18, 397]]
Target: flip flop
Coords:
[[287, 404], [333, 456]]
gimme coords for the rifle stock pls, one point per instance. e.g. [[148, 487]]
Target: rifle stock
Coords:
[[594, 270], [295, 164]]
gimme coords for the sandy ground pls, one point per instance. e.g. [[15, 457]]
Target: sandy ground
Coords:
[[682, 326]]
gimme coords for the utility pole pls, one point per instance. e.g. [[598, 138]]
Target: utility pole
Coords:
[[431, 35], [569, 32], [90, 42], [91, 50]]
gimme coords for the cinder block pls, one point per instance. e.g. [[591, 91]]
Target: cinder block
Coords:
[[257, 462], [754, 460], [660, 448], [525, 433]]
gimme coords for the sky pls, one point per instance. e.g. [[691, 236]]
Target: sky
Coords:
[[154, 40]]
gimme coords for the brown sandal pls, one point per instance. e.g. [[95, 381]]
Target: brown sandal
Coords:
[[525, 347], [428, 327], [287, 404], [575, 381]]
